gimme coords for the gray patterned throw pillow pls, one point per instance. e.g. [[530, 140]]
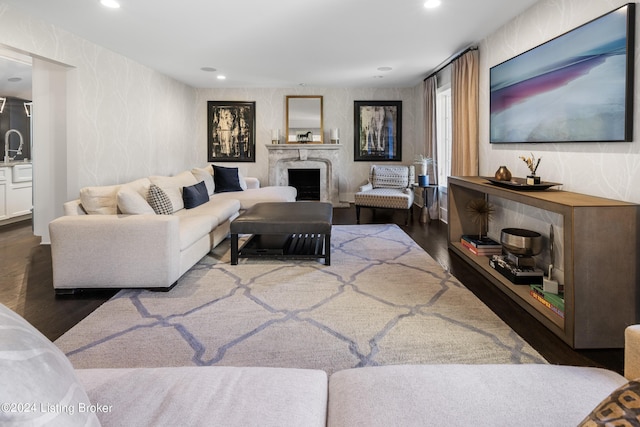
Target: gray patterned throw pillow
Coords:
[[159, 201]]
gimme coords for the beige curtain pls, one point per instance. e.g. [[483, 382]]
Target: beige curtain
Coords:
[[430, 130], [464, 106]]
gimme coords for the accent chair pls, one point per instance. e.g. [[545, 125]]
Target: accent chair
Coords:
[[389, 187]]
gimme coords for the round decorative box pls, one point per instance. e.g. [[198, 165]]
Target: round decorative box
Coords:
[[519, 241]]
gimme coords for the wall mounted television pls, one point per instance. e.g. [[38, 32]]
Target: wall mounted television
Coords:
[[577, 87]]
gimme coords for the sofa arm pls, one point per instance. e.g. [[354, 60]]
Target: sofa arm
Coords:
[[252, 182], [367, 187], [115, 251], [74, 207], [632, 352]]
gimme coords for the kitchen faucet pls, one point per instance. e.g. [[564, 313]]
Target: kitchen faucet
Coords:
[[7, 150]]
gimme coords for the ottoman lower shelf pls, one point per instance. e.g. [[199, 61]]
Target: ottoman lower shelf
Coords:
[[292, 246]]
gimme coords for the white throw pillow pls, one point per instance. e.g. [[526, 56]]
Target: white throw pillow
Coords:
[[132, 197], [172, 186], [100, 200], [205, 174], [131, 202], [39, 385]]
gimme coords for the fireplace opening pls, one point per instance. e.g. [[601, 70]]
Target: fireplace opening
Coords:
[[307, 182]]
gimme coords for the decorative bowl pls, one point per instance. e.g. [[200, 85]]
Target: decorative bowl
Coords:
[[519, 241]]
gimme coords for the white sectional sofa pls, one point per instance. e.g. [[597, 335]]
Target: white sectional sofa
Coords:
[[40, 387], [112, 236]]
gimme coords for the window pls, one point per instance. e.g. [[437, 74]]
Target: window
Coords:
[[443, 126]]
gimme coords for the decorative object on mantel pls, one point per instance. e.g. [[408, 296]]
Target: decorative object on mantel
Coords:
[[520, 184], [532, 164], [480, 211], [503, 174], [335, 136], [275, 136]]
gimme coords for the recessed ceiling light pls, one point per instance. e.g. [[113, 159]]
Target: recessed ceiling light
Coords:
[[430, 4], [385, 68], [208, 69], [14, 79], [113, 4], [378, 77], [221, 77]]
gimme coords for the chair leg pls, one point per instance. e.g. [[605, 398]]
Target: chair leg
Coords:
[[357, 214]]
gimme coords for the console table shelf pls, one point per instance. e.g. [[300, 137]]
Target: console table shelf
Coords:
[[600, 260]]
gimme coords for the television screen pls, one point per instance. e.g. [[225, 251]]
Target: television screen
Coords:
[[577, 87]]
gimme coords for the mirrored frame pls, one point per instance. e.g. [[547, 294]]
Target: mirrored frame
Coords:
[[305, 119]]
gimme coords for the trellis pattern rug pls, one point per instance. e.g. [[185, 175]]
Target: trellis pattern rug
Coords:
[[382, 301]]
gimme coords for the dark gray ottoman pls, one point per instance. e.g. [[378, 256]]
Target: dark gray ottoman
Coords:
[[284, 230]]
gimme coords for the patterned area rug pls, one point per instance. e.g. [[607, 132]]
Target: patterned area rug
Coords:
[[382, 301]]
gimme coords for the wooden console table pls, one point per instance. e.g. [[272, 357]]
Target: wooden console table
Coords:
[[600, 260]]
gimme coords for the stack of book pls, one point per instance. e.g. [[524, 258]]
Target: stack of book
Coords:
[[481, 246], [553, 302], [518, 275]]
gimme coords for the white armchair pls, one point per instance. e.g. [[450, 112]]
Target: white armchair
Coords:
[[389, 187]]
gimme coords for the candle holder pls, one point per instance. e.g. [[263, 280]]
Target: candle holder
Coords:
[[275, 136], [335, 136]]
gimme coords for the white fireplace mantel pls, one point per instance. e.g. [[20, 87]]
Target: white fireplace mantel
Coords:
[[306, 156]]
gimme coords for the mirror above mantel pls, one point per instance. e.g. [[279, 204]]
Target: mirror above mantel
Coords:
[[304, 119]]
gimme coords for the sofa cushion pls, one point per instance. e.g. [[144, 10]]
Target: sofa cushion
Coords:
[[620, 408], [195, 195], [194, 227], [100, 200], [219, 210], [392, 198], [159, 201], [467, 395], [172, 186], [209, 396], [38, 379], [226, 179], [205, 174]]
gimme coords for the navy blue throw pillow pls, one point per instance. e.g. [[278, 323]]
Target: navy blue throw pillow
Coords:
[[195, 195], [226, 179]]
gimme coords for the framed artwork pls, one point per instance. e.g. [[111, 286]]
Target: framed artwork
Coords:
[[377, 130], [231, 131], [577, 87]]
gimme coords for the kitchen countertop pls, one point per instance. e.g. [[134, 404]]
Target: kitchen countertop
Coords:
[[13, 163]]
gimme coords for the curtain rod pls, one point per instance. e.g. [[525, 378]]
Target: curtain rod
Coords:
[[448, 62]]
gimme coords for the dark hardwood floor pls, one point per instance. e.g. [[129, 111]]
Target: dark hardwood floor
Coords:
[[26, 287]]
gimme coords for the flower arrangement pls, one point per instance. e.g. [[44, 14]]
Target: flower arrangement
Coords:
[[423, 161], [532, 163]]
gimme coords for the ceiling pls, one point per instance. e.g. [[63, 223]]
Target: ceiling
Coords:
[[283, 43]]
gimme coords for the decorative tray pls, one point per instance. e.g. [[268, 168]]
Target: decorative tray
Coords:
[[520, 184]]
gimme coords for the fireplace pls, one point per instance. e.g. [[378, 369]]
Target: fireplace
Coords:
[[321, 158], [306, 181]]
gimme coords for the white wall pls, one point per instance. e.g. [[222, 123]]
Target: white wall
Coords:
[[603, 169]]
